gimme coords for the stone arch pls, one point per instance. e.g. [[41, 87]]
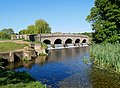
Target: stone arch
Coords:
[[58, 41], [68, 41], [84, 41], [46, 41], [77, 41]]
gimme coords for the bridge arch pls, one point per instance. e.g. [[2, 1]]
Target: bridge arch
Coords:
[[47, 41], [68, 41], [84, 41], [77, 41], [58, 41]]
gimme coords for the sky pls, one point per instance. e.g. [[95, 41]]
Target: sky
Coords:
[[66, 16]]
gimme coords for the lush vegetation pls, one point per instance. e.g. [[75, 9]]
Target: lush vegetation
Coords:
[[9, 46], [105, 19], [11, 79], [40, 26], [6, 33], [106, 56]]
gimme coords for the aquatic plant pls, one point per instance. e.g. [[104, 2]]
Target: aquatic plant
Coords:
[[12, 79], [106, 56]]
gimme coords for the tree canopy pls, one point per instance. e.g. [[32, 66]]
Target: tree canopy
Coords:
[[40, 26], [105, 19], [8, 31]]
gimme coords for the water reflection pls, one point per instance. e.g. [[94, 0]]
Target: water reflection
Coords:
[[41, 60], [64, 68]]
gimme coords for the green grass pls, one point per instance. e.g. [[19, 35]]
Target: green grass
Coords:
[[43, 45], [106, 56], [9, 46], [11, 79]]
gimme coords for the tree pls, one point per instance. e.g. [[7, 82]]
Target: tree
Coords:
[[8, 31], [24, 31], [31, 29], [105, 19], [40, 26], [4, 36]]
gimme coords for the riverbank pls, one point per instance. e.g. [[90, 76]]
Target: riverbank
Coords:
[[10, 46], [11, 79], [23, 50], [106, 56]]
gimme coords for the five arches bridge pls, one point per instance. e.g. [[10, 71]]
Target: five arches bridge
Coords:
[[57, 39]]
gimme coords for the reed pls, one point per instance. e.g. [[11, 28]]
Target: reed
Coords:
[[106, 56]]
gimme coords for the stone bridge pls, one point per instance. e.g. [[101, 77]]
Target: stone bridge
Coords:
[[63, 38]]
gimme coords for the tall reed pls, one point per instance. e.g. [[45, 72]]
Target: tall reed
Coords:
[[106, 56]]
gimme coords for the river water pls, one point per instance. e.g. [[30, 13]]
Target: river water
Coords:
[[68, 68]]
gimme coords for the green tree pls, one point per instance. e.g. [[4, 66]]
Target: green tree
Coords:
[[31, 29], [24, 31], [8, 31], [105, 19], [40, 26], [4, 36]]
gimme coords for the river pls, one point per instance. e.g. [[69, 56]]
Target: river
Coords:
[[67, 68]]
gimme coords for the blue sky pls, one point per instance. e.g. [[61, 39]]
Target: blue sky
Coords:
[[62, 15]]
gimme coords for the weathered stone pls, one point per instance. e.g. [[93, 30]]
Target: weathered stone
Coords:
[[11, 57], [27, 55]]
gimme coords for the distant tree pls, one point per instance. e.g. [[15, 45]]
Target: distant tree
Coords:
[[3, 35], [40, 26], [87, 33], [31, 29], [105, 19], [8, 31], [57, 32], [24, 31]]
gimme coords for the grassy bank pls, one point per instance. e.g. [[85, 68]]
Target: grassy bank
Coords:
[[106, 56], [11, 79], [9, 46]]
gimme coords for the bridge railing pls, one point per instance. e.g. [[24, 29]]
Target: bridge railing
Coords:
[[63, 34]]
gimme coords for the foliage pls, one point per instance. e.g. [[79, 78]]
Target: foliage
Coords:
[[87, 33], [8, 31], [4, 36], [40, 26], [106, 56], [105, 19], [43, 45], [25, 85], [11, 79], [8, 46], [43, 54]]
